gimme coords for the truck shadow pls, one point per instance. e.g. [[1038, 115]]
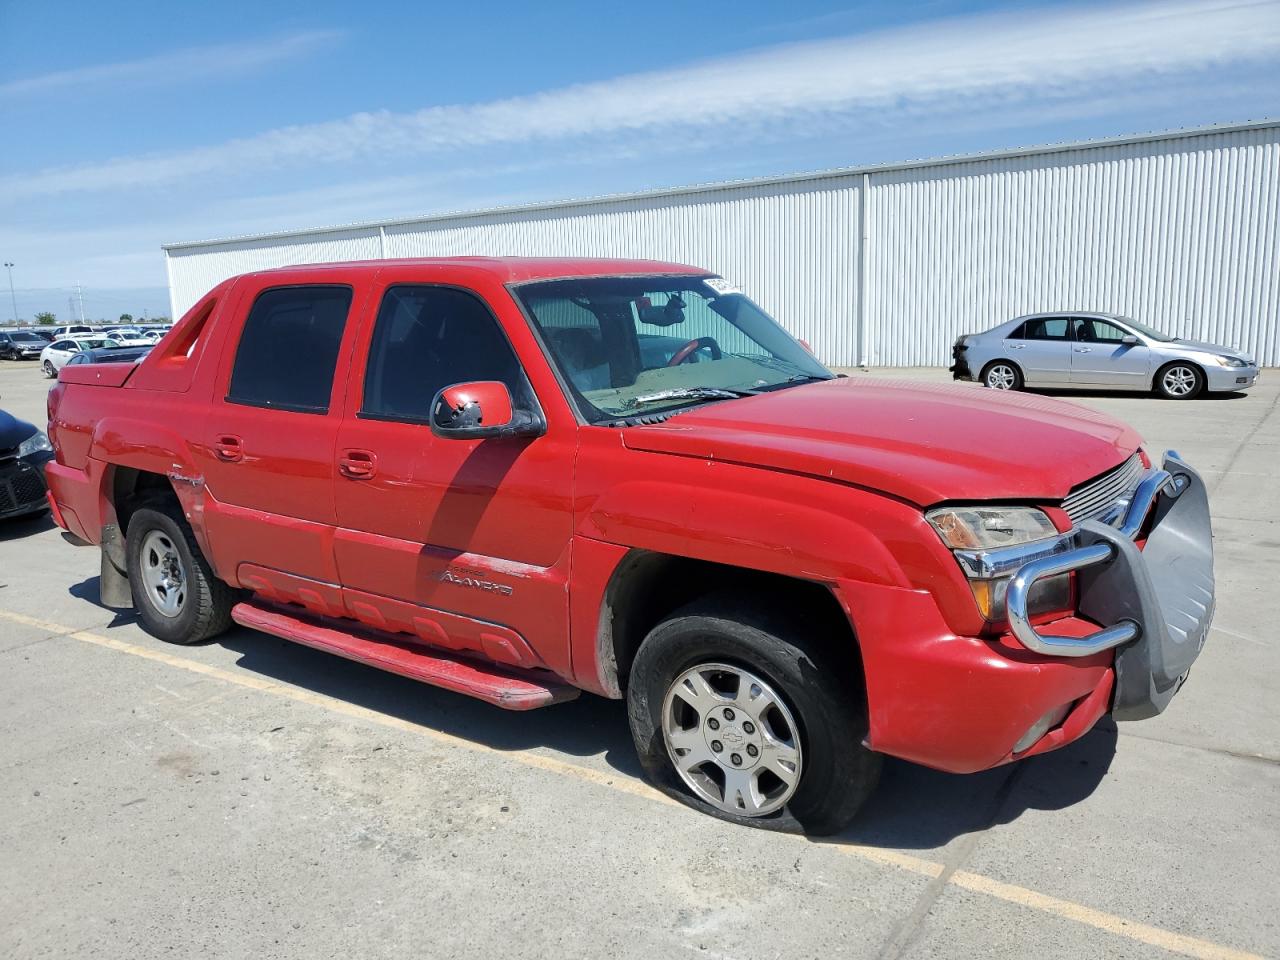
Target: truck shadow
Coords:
[[914, 808]]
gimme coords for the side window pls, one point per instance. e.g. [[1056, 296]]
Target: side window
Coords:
[[427, 338], [289, 348], [1018, 332], [60, 345], [1046, 328], [1089, 330]]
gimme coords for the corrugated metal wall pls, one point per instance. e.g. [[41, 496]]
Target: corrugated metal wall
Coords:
[[1182, 232]]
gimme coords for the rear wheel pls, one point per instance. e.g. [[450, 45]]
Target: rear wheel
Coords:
[[49, 371], [1002, 375], [1179, 381], [178, 598], [740, 714]]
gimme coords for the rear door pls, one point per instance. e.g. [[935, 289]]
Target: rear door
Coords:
[[267, 444], [462, 543], [1099, 356], [1042, 348]]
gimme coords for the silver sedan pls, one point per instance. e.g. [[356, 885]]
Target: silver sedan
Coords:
[[1097, 351]]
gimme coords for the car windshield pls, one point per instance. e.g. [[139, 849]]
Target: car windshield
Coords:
[[1146, 331], [24, 337], [631, 346]]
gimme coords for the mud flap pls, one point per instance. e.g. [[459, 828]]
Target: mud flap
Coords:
[[113, 583], [1167, 589]]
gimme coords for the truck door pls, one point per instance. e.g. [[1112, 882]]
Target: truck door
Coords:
[[1100, 356], [461, 543], [267, 450]]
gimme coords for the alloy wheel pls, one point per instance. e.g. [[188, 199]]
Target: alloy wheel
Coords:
[[1001, 377], [732, 739], [1179, 381]]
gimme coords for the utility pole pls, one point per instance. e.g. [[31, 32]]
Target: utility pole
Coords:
[[80, 296], [12, 296]]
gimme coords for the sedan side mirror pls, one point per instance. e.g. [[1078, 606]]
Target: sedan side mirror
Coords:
[[478, 410], [1129, 340]]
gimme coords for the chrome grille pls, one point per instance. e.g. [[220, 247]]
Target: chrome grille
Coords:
[[1095, 496]]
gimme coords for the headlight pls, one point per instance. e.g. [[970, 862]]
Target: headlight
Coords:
[[1231, 362], [976, 529], [981, 528], [36, 443]]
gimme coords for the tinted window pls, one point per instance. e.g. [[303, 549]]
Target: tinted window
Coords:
[[1098, 331], [60, 345], [1046, 328], [427, 338], [289, 348]]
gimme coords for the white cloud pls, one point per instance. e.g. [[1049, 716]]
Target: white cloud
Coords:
[[942, 65], [194, 63]]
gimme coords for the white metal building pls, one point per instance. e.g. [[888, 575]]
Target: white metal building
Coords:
[[885, 265]]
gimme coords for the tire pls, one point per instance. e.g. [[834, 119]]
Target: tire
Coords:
[[820, 710], [1179, 380], [1002, 375], [199, 604], [49, 372]]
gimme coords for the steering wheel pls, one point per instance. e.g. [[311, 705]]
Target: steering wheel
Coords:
[[692, 347]]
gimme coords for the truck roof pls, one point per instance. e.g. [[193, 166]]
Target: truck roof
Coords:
[[505, 269]]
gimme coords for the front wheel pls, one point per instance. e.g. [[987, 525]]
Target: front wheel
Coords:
[[1179, 381], [738, 714], [177, 595], [1002, 376]]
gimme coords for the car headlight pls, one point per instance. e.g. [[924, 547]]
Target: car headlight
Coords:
[[1231, 362], [36, 443], [970, 531], [982, 528]]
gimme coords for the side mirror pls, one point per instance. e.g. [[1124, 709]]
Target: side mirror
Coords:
[[1129, 340], [475, 411]]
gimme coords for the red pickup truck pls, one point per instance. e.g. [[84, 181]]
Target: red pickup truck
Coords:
[[522, 478]]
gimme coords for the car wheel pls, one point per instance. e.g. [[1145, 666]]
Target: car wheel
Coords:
[[738, 713], [174, 589], [49, 371], [1002, 375], [1179, 381]]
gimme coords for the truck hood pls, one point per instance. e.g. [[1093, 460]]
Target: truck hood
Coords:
[[923, 443]]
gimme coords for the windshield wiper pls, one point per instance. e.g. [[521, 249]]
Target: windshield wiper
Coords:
[[688, 393], [798, 378]]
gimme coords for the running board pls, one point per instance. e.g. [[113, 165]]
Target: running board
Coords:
[[506, 687]]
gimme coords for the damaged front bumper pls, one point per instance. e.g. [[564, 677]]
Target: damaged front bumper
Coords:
[[1155, 603]]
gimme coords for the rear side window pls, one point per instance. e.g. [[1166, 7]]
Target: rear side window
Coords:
[[289, 348], [427, 338], [1046, 328]]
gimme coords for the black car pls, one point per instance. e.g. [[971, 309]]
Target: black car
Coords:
[[24, 450], [21, 345], [110, 355]]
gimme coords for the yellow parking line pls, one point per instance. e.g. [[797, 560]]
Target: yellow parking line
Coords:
[[1010, 893]]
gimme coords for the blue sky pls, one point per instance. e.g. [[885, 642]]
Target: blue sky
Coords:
[[133, 124]]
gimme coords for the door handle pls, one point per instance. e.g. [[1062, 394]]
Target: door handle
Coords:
[[227, 448], [1017, 346], [357, 464], [1084, 349]]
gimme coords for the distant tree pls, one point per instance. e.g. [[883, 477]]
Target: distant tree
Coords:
[[126, 318], [46, 318]]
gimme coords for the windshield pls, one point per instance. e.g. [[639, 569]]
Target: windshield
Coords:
[[632, 346], [24, 337], [1146, 331]]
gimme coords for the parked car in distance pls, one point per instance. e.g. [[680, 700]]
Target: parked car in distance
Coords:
[[71, 330], [1097, 351], [20, 345], [56, 354], [24, 450], [44, 333], [521, 478]]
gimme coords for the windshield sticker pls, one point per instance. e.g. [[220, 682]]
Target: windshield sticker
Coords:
[[720, 286]]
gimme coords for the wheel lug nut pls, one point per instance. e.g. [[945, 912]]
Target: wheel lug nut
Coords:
[[753, 750], [735, 759], [748, 727], [713, 723], [728, 714], [716, 746]]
